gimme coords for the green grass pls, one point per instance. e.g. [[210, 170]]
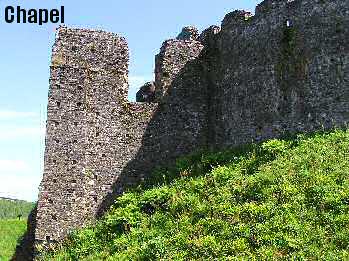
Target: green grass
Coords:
[[10, 231], [283, 199]]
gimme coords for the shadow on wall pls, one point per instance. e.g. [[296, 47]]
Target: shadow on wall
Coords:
[[183, 120], [178, 127], [190, 115]]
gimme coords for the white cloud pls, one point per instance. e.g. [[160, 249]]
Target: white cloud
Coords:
[[19, 187], [14, 132], [10, 166], [18, 179], [6, 114]]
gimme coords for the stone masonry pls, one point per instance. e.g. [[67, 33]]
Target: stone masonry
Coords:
[[283, 70], [92, 130]]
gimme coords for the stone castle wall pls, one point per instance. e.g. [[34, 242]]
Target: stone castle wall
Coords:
[[285, 69], [98, 143], [92, 130]]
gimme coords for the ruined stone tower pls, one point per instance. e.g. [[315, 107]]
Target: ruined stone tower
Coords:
[[97, 142], [285, 69]]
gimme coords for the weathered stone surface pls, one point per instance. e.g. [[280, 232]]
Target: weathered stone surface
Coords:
[[283, 70], [209, 36], [174, 56], [98, 143], [92, 130], [189, 33], [146, 93]]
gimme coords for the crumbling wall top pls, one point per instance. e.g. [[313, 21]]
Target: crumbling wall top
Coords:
[[208, 36], [173, 56], [146, 93], [267, 6], [189, 33], [95, 49], [236, 17]]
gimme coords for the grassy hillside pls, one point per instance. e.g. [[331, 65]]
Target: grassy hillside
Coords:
[[12, 208], [10, 232], [278, 200], [12, 229]]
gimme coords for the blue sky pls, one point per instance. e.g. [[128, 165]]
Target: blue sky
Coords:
[[25, 57]]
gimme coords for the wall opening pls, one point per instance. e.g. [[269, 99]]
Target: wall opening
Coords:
[[140, 73], [135, 84]]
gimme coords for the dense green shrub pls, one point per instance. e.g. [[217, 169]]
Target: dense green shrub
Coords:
[[277, 200]]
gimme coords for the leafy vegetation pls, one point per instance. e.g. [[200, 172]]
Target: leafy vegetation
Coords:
[[12, 208], [10, 232], [282, 199]]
